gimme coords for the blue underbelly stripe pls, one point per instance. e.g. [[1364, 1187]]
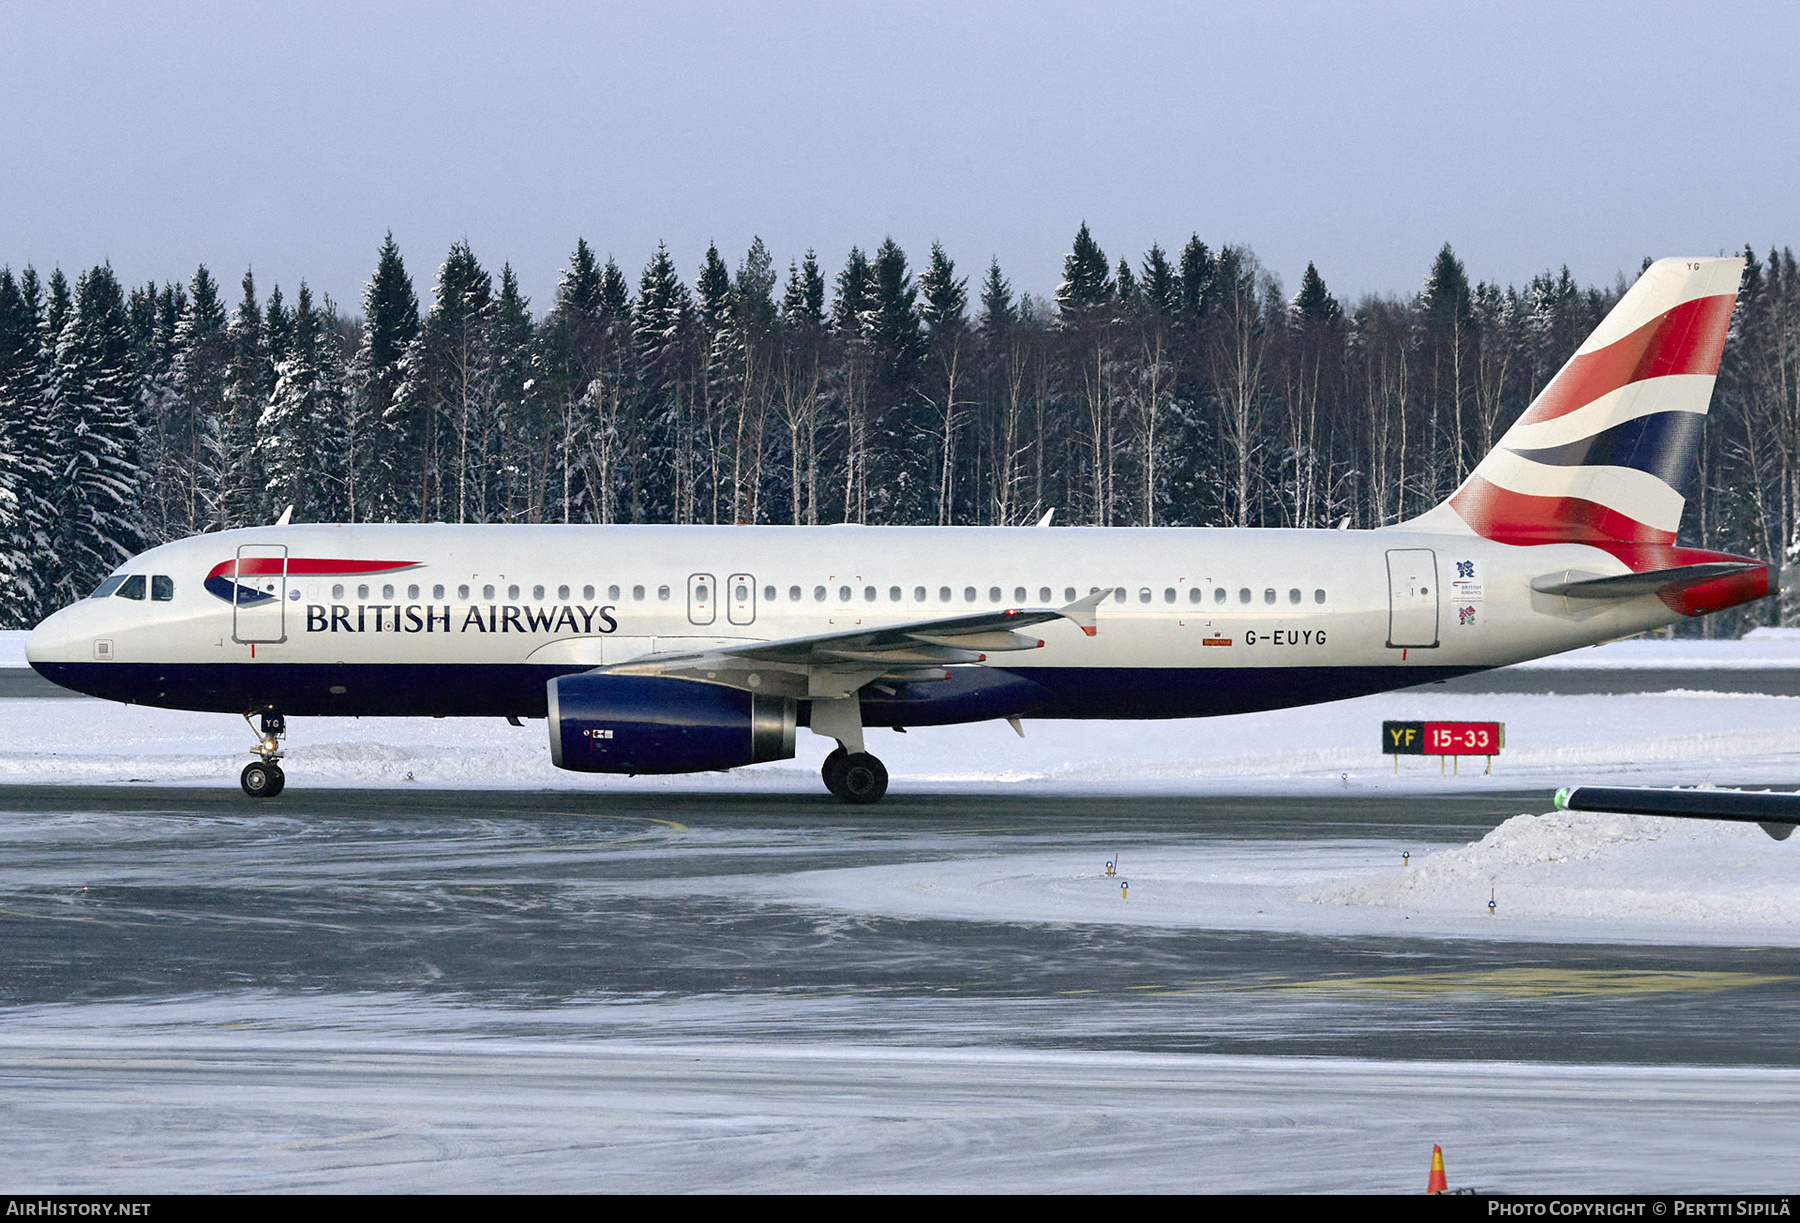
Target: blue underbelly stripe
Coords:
[[517, 689]]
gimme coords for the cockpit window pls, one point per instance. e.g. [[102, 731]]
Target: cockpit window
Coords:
[[132, 587], [108, 586], [162, 588]]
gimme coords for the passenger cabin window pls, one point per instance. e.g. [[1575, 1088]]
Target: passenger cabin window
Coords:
[[943, 594], [918, 594], [1119, 594], [843, 594], [1294, 595], [793, 594], [106, 588], [1194, 594], [1169, 595], [993, 594], [637, 592], [587, 593], [1144, 595], [1318, 596], [1218, 594], [362, 591], [968, 594], [1069, 594], [132, 587], [537, 592], [562, 592], [437, 592], [768, 594], [512, 594], [462, 592], [818, 594], [337, 591], [612, 592], [387, 592], [662, 592], [1043, 594], [868, 594], [1018, 594], [162, 588], [1243, 594], [1269, 595], [893, 594], [412, 592], [487, 592]]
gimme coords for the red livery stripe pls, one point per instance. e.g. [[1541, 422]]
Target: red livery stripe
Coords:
[[299, 566], [1685, 340], [1507, 517]]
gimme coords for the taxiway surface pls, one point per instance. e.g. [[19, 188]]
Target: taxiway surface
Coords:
[[440, 989]]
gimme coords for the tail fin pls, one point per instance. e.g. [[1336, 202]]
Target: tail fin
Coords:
[[1605, 453]]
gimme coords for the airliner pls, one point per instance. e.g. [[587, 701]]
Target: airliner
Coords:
[[677, 649]]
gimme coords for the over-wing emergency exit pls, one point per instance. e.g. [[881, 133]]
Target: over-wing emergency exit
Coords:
[[673, 649]]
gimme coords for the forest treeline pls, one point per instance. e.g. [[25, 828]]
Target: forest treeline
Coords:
[[1185, 389]]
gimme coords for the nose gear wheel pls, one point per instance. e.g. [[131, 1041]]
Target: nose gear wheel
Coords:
[[263, 778]]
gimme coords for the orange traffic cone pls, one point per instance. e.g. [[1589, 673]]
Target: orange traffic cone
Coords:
[[1437, 1183]]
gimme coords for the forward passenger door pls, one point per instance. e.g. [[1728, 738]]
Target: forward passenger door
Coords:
[[259, 594]]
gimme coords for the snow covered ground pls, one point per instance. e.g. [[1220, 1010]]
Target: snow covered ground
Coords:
[[1662, 738], [1570, 878]]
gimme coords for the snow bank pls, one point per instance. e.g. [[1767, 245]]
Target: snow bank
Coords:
[[1555, 878], [1584, 866]]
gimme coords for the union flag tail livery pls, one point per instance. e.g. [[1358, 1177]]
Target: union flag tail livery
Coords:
[[672, 649], [1605, 453]]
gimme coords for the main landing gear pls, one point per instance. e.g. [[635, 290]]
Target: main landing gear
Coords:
[[263, 778], [856, 777]]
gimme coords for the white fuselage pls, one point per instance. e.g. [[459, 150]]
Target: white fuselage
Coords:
[[474, 619]]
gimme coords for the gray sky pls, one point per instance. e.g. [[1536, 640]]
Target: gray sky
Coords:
[[1362, 136]]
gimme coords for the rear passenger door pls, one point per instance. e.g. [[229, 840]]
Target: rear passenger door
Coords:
[[1412, 598]]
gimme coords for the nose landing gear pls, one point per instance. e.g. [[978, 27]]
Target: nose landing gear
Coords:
[[263, 778]]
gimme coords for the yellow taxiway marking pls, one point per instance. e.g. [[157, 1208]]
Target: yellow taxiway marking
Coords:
[[1540, 982]]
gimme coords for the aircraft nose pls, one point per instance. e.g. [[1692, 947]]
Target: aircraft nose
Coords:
[[49, 641]]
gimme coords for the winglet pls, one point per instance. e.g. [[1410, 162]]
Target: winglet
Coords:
[[1081, 611], [1048, 515], [285, 516]]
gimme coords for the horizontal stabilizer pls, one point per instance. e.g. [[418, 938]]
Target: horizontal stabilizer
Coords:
[[1777, 812], [1573, 584]]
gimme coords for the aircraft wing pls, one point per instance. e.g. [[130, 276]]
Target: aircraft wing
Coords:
[[832, 665]]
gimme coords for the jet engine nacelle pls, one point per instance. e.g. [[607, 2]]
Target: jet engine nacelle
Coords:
[[647, 724]]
